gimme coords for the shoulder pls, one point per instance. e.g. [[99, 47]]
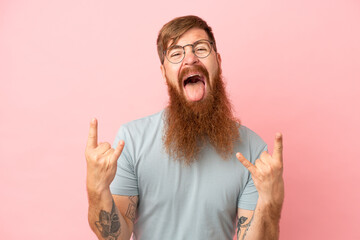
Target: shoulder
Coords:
[[140, 134], [251, 145], [144, 124], [246, 134], [143, 130], [251, 141], [151, 119]]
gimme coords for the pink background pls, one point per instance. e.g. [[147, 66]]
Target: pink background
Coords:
[[290, 66]]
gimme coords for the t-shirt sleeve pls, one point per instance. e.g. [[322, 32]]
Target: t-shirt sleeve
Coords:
[[125, 181], [248, 198]]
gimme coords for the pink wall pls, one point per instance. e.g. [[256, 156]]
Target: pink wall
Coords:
[[290, 66]]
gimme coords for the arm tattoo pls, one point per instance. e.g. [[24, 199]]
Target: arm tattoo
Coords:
[[131, 211], [109, 224], [241, 226]]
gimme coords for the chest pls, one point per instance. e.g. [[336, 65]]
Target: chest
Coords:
[[209, 183]]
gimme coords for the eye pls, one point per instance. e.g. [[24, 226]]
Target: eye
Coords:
[[202, 47], [175, 54]]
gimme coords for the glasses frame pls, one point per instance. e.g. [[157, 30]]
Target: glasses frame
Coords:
[[192, 49]]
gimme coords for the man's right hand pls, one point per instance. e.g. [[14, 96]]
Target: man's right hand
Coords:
[[101, 161]]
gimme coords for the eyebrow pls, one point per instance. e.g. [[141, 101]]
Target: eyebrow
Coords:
[[173, 45]]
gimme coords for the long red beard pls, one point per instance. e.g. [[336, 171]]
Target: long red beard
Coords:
[[191, 125]]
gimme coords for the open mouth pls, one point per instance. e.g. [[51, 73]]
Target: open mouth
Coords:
[[193, 79], [194, 82]]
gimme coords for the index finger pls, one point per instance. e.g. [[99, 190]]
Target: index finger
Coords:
[[92, 139], [278, 147], [251, 167], [118, 151]]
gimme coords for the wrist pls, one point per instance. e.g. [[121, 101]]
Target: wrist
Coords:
[[97, 194], [96, 186], [270, 208], [275, 197]]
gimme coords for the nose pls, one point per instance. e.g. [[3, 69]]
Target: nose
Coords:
[[190, 58]]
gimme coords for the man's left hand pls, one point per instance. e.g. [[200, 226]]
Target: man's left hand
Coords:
[[267, 173]]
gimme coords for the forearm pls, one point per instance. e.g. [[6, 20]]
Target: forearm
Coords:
[[104, 217], [265, 222], [267, 177]]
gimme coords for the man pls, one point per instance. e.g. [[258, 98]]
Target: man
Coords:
[[190, 171]]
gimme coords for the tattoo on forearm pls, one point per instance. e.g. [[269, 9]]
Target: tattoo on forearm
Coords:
[[131, 211], [109, 224], [242, 219], [243, 227]]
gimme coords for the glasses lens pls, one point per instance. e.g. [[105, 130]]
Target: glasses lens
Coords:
[[175, 54], [202, 49]]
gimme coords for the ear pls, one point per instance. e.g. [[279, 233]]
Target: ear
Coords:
[[218, 58], [163, 72]]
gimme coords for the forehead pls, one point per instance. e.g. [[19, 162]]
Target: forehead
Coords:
[[191, 36]]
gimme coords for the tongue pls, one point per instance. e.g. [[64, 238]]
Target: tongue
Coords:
[[195, 91]]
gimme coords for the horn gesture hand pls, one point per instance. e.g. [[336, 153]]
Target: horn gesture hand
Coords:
[[267, 173], [101, 161]]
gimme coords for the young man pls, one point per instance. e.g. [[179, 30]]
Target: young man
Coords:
[[190, 171]]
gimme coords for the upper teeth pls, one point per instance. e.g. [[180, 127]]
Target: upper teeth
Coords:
[[193, 75]]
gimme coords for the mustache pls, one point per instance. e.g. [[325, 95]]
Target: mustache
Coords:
[[196, 68]]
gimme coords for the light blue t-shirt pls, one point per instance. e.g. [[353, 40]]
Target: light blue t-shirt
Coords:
[[177, 201]]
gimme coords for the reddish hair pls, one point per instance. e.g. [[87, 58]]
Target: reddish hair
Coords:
[[174, 29]]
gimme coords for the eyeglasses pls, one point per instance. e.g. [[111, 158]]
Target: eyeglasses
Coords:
[[201, 48]]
